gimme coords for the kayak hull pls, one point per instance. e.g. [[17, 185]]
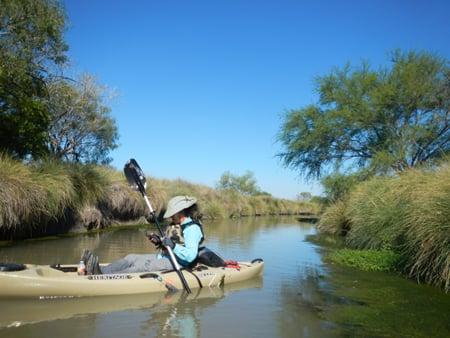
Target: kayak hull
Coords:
[[43, 281]]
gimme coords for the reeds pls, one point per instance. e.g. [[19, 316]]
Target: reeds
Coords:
[[334, 220], [409, 214], [40, 195], [43, 194]]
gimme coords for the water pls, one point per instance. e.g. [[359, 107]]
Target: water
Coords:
[[299, 295]]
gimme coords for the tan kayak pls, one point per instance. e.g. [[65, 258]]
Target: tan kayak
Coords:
[[45, 281]]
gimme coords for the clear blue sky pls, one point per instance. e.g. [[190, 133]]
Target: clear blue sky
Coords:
[[202, 84]]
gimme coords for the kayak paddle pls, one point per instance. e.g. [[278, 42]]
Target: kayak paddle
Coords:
[[136, 178]]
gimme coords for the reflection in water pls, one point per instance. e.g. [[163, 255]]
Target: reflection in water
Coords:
[[179, 318], [171, 314], [233, 238], [304, 301], [18, 312]]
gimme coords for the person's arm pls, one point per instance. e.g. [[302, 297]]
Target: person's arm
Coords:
[[192, 236]]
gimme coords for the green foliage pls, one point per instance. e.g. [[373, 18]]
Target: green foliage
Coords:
[[244, 184], [31, 45], [334, 220], [337, 186], [386, 120], [408, 214], [304, 196], [213, 210], [367, 260], [376, 210], [81, 127], [89, 183]]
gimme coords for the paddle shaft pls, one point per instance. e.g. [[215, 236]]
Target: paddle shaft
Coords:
[[138, 178], [173, 260]]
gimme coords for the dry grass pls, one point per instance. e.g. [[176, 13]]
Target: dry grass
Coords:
[[35, 195]]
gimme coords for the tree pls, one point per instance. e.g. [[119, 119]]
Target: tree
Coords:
[[337, 185], [31, 46], [81, 128], [304, 196], [385, 121], [245, 184]]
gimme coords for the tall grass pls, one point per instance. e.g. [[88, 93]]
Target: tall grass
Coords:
[[334, 220], [50, 196], [44, 195], [409, 214]]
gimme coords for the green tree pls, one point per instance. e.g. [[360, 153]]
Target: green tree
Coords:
[[304, 196], [81, 128], [31, 48], [244, 184], [384, 120], [336, 186]]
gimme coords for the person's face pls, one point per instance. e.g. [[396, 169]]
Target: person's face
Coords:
[[177, 218]]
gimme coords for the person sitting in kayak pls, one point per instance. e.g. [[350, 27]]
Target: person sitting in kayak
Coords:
[[183, 236]]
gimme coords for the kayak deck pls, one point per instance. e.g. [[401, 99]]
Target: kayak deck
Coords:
[[45, 281]]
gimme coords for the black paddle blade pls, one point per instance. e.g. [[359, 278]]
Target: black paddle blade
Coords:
[[135, 176]]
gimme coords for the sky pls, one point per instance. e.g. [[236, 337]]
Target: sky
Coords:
[[202, 86]]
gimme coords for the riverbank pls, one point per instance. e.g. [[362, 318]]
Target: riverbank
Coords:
[[48, 198], [407, 215]]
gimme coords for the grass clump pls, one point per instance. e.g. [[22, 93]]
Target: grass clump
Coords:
[[334, 220], [408, 214], [49, 197], [367, 260]]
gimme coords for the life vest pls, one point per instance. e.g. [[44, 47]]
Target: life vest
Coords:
[[205, 256], [175, 232]]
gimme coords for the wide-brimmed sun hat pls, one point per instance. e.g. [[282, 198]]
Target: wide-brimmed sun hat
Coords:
[[179, 203]]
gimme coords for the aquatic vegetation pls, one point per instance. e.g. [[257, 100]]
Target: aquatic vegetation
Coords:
[[380, 304], [367, 260], [408, 213]]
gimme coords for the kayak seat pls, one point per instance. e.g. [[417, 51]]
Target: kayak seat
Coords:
[[209, 258]]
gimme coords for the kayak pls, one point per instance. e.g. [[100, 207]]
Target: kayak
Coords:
[[55, 281]]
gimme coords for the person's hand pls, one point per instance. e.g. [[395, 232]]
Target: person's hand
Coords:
[[167, 242], [154, 238], [150, 217]]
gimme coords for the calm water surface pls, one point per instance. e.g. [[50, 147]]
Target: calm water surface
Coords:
[[299, 295]]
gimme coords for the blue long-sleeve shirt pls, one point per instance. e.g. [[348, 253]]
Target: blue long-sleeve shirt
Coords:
[[192, 236]]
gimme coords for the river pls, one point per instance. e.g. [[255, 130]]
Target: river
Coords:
[[299, 295]]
